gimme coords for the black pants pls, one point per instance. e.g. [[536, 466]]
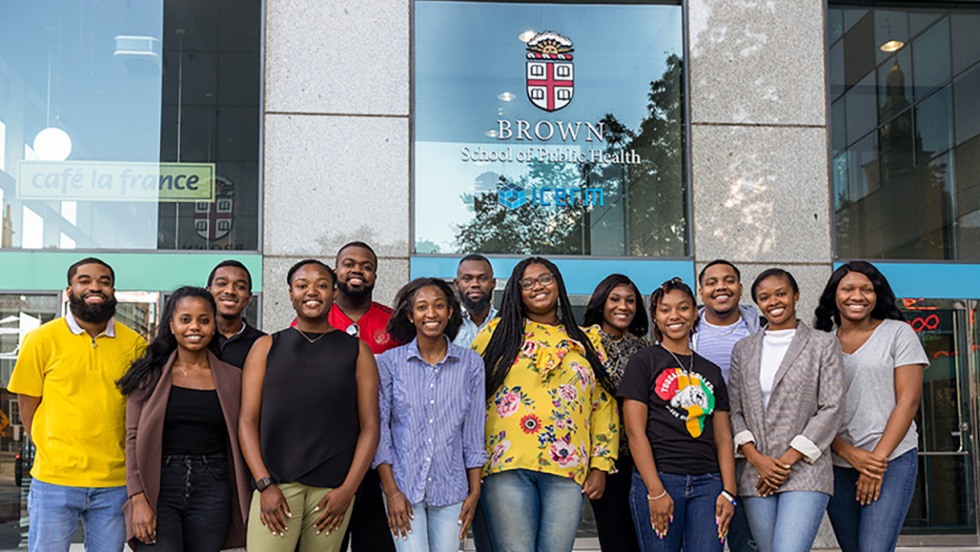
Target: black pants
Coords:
[[194, 508], [613, 519], [368, 529]]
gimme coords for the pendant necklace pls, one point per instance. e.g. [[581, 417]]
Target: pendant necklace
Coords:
[[689, 369], [308, 338]]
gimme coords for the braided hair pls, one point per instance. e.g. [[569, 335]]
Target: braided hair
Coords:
[[508, 337]]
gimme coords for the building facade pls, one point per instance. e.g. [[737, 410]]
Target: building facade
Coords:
[[647, 138]]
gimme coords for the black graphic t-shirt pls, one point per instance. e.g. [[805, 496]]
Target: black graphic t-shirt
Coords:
[[680, 402]]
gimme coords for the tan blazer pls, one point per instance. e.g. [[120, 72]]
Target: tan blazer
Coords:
[[805, 408], [144, 445]]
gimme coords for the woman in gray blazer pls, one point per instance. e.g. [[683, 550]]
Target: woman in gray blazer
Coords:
[[786, 386]]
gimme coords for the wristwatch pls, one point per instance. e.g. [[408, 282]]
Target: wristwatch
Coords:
[[263, 484]]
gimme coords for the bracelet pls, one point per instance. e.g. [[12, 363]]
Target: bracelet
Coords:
[[394, 495], [728, 496], [658, 497]]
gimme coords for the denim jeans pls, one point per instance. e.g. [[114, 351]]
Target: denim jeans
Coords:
[[875, 526], [54, 511], [434, 529], [194, 508], [739, 533], [481, 532], [693, 527], [531, 511], [787, 521]]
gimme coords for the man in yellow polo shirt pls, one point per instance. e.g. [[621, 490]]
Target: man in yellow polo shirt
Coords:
[[65, 380]]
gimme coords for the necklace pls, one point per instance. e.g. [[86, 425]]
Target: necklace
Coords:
[[689, 369], [308, 338]]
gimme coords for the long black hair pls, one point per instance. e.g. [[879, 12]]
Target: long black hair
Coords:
[[674, 284], [593, 312], [827, 313], [402, 329], [144, 374], [508, 337]]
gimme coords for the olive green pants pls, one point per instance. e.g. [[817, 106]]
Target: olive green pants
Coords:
[[301, 533]]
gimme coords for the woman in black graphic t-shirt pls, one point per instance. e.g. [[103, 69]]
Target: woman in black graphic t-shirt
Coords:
[[675, 410]]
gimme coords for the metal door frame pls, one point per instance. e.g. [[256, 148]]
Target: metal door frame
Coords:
[[964, 309]]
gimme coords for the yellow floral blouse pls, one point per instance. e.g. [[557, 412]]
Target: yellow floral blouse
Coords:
[[551, 415]]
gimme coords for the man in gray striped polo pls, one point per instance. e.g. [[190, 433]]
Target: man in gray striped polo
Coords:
[[723, 323]]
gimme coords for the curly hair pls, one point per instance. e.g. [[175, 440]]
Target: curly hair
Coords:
[[674, 284]]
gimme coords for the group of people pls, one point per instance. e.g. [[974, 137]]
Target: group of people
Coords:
[[403, 428]]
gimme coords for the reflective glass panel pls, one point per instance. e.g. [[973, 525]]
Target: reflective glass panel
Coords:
[[549, 128], [129, 125], [911, 189]]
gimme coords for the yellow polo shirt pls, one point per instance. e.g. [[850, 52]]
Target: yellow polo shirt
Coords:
[[79, 427]]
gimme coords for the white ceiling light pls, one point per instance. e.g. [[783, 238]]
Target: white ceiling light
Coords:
[[52, 144]]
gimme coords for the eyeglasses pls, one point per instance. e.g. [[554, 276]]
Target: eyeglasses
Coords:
[[544, 279], [353, 329]]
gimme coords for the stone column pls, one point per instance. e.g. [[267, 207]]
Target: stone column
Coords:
[[759, 170], [336, 151]]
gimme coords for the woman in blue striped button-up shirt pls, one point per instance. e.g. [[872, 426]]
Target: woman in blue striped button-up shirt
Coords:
[[431, 455]]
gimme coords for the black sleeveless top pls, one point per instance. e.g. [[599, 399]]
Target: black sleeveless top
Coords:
[[308, 427]]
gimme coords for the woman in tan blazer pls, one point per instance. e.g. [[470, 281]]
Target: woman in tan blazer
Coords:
[[186, 479], [786, 387]]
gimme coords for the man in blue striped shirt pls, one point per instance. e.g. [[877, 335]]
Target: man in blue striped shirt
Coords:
[[723, 322], [475, 283]]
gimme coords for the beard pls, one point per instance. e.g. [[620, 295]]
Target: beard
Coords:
[[476, 305], [93, 314], [358, 293]]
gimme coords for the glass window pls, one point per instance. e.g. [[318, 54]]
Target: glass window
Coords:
[[549, 128], [905, 182], [130, 125]]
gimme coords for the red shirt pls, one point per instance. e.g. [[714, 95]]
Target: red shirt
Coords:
[[372, 326]]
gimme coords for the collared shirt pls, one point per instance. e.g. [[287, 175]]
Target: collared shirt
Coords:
[[469, 330], [79, 426], [432, 420], [234, 350], [551, 415], [370, 328]]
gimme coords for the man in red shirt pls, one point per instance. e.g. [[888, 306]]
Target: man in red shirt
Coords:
[[353, 310]]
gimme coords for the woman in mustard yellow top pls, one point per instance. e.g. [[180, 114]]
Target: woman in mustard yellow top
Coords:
[[552, 429]]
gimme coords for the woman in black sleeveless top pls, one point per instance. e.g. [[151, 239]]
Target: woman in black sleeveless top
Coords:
[[309, 422]]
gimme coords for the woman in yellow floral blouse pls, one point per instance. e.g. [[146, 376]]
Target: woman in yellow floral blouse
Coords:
[[552, 429]]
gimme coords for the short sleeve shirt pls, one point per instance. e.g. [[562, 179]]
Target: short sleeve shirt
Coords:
[[79, 426], [372, 327], [869, 374], [681, 398]]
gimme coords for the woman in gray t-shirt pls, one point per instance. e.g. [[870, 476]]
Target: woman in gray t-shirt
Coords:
[[875, 456]]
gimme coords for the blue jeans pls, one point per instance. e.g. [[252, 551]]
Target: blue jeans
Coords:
[[194, 508], [481, 533], [54, 511], [787, 521], [532, 511], [434, 529], [693, 527], [875, 526]]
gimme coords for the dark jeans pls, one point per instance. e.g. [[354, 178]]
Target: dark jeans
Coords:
[[481, 530], [194, 508], [739, 533], [368, 528], [613, 520], [693, 528], [874, 527]]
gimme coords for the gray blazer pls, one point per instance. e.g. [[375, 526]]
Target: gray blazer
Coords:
[[805, 408]]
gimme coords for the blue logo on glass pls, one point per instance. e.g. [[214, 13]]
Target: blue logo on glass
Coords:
[[511, 196]]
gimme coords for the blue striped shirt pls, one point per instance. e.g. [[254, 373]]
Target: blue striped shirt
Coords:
[[432, 420]]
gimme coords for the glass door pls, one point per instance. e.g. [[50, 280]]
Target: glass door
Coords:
[[944, 508]]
